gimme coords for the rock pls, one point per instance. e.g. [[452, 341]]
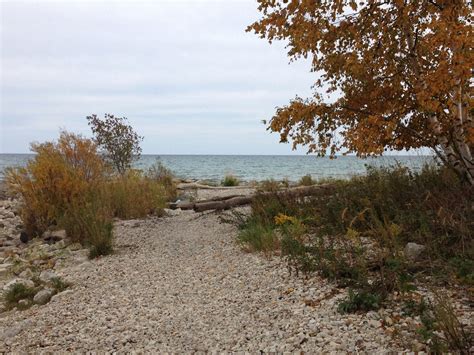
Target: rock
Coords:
[[374, 323], [26, 274], [10, 333], [388, 321], [43, 296], [5, 268], [24, 237], [23, 303], [169, 212], [61, 294], [47, 275], [54, 236], [413, 251], [25, 282]]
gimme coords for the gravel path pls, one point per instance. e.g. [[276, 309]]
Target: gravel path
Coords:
[[181, 283]]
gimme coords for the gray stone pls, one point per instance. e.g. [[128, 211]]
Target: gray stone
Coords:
[[54, 236], [26, 274], [47, 275], [374, 323], [23, 303], [5, 268], [10, 333], [413, 251], [43, 296]]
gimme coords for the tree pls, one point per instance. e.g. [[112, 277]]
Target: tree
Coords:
[[119, 142], [401, 71]]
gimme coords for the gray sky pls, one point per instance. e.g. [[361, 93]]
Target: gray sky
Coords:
[[185, 73]]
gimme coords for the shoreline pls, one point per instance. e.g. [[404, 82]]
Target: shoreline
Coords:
[[182, 283]]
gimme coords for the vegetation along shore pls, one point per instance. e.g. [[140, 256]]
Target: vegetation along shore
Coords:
[[381, 262], [97, 255]]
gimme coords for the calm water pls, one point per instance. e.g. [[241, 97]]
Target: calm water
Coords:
[[254, 167]]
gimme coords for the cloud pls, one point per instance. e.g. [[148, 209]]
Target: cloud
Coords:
[[186, 73]]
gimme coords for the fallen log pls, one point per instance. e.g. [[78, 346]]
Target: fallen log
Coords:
[[195, 185], [227, 202]]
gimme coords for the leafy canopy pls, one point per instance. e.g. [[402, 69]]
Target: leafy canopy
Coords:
[[400, 69]]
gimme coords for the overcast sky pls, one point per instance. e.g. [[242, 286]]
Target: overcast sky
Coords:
[[185, 73]]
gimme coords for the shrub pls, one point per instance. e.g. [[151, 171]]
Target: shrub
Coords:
[[230, 180], [160, 174], [306, 180], [59, 285], [61, 173], [119, 142], [362, 301], [440, 327], [63, 185], [269, 185], [356, 234], [16, 293], [258, 238], [89, 222], [136, 195]]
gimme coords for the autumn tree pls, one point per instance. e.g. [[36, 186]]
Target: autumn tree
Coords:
[[118, 141], [393, 75]]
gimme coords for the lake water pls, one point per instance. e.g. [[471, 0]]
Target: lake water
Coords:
[[255, 167]]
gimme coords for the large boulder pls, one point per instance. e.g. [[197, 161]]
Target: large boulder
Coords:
[[43, 296], [413, 251]]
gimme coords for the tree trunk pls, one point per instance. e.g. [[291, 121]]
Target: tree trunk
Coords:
[[456, 148]]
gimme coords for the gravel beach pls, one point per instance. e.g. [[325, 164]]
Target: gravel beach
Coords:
[[181, 283]]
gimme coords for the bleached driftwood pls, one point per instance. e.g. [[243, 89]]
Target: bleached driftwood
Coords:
[[227, 202]]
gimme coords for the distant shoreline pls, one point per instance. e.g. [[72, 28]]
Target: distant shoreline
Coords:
[[256, 167]]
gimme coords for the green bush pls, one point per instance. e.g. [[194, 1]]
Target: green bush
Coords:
[[360, 301], [16, 293], [356, 232], [230, 180], [59, 285], [258, 238]]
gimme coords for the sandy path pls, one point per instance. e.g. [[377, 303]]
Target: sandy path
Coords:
[[181, 284]]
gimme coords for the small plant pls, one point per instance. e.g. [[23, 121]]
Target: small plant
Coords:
[[306, 180], [163, 176], [90, 223], [258, 238], [464, 269], [269, 185], [120, 143], [446, 321], [230, 180], [59, 285], [136, 195], [16, 293], [360, 301]]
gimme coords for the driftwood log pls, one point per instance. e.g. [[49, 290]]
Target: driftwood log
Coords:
[[227, 202]]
